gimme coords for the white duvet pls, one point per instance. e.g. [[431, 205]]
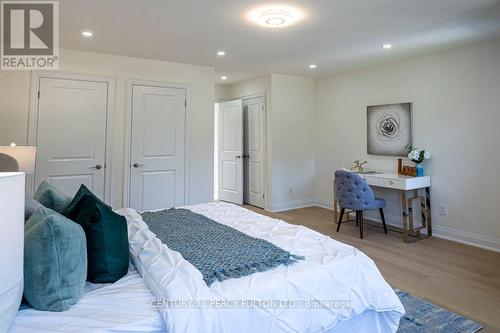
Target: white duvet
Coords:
[[334, 283], [123, 306]]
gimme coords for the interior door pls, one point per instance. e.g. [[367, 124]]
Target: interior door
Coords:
[[231, 151], [253, 147], [71, 134], [157, 147]]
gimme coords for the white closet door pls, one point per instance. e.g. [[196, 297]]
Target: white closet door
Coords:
[[157, 147], [254, 115], [231, 151], [71, 134]]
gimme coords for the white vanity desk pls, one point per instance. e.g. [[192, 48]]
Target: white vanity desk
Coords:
[[415, 201]]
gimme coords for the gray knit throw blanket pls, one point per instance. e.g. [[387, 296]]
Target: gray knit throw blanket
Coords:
[[219, 252]]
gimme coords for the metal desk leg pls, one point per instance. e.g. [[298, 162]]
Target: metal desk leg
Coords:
[[406, 216], [428, 210], [410, 232]]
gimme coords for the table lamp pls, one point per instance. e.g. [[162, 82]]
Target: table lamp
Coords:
[[15, 158]]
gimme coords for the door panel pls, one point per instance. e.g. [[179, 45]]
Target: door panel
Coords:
[[253, 115], [72, 183], [231, 151], [157, 147], [71, 134], [158, 182], [159, 125]]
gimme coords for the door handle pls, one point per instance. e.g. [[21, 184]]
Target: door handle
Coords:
[[97, 166], [136, 165], [238, 156], [246, 156]]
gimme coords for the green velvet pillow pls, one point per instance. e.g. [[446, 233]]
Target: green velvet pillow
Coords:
[[73, 209], [107, 241], [49, 196], [55, 261]]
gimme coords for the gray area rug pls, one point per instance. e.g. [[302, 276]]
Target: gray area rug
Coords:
[[428, 318]]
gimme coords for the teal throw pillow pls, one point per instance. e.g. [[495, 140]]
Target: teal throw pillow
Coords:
[[55, 261], [49, 196], [107, 241], [74, 207]]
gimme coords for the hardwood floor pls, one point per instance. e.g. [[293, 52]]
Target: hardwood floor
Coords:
[[461, 278]]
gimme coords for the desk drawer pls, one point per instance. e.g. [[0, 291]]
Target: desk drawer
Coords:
[[392, 183]]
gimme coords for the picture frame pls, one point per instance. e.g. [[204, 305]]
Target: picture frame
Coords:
[[389, 129]]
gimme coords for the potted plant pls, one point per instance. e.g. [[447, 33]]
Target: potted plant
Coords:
[[419, 156]]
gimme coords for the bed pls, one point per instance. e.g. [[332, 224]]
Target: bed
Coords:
[[336, 288], [124, 306]]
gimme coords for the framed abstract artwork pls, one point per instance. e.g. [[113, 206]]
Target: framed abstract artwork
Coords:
[[389, 129]]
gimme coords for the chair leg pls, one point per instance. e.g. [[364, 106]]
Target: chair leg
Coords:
[[340, 218], [383, 219], [359, 218]]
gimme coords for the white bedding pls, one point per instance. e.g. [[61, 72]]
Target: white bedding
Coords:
[[332, 272], [124, 306]]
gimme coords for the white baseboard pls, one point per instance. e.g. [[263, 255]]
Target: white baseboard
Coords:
[[324, 204], [288, 205], [466, 237], [452, 234]]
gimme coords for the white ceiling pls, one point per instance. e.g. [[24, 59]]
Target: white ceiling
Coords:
[[336, 34]]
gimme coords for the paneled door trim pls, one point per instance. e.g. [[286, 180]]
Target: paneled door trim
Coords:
[[110, 108], [127, 167]]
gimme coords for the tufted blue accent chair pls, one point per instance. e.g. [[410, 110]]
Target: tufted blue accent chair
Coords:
[[354, 193]]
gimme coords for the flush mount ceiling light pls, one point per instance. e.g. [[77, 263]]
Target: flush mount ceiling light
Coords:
[[223, 77], [312, 66], [387, 46], [87, 33], [275, 16], [221, 53]]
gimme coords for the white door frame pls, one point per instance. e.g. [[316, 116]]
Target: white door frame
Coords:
[[110, 109], [266, 115], [127, 166]]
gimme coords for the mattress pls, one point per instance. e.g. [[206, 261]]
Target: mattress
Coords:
[[337, 288], [124, 306]]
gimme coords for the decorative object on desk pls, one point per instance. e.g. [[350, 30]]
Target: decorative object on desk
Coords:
[[358, 165], [17, 158], [406, 170], [389, 129], [419, 156]]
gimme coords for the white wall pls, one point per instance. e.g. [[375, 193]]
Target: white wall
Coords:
[[14, 106], [289, 137], [292, 122], [456, 114], [222, 92]]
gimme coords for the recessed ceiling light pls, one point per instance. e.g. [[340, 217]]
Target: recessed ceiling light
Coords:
[[87, 33], [221, 53], [276, 16], [223, 77], [387, 46], [312, 66]]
